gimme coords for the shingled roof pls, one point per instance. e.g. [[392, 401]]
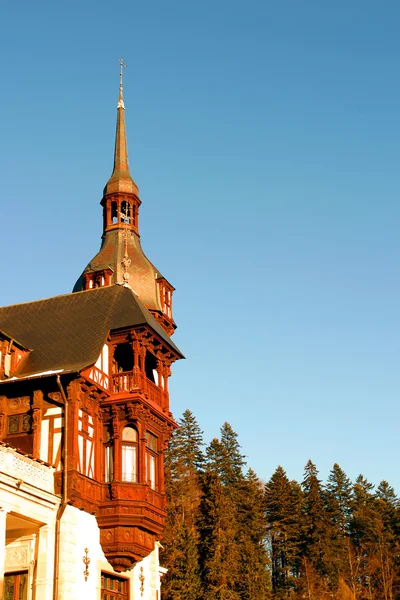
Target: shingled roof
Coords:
[[68, 332]]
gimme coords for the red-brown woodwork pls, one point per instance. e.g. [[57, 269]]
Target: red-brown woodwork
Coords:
[[12, 355], [37, 410], [130, 515], [97, 279], [121, 210]]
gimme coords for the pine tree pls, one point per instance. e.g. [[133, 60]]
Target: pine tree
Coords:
[[254, 580], [220, 558], [183, 463], [387, 540], [225, 458], [245, 535], [186, 447], [366, 529], [317, 533], [339, 510], [283, 500], [339, 493]]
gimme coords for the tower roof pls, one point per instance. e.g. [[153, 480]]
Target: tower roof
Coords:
[[121, 259], [121, 180]]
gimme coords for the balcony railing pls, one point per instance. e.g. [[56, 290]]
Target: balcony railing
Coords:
[[99, 377], [130, 381]]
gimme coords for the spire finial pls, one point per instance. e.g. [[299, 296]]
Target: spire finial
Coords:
[[121, 180], [122, 65]]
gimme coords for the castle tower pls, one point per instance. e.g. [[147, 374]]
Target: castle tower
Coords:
[[85, 418], [121, 258]]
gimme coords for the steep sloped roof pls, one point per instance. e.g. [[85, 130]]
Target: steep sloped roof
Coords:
[[67, 332]]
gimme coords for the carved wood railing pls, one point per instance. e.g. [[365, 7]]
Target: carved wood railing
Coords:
[[154, 392], [99, 377], [130, 381], [126, 381]]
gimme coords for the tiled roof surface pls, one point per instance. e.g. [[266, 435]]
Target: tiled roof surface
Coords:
[[142, 273], [67, 332]]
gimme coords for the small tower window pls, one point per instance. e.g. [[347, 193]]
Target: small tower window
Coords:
[[130, 454], [126, 212], [114, 213]]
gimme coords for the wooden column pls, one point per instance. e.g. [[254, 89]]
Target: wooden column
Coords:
[[37, 407], [117, 444]]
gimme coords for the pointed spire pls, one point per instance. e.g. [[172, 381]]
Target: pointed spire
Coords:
[[121, 180]]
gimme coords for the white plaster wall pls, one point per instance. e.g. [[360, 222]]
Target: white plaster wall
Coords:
[[26, 492], [79, 530]]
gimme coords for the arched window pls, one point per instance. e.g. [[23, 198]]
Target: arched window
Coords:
[[151, 460], [130, 454], [108, 454]]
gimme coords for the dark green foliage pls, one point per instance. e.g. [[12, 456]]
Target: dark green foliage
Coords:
[[242, 502], [219, 550], [228, 538], [254, 579], [338, 494], [283, 501], [183, 461], [224, 457], [317, 531], [339, 499]]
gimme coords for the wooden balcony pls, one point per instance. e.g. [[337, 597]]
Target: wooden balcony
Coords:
[[129, 382]]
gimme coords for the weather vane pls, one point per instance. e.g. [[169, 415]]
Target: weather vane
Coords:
[[121, 68], [122, 65]]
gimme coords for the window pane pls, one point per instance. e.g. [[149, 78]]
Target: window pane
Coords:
[[129, 463], [9, 584], [152, 472], [13, 424], [129, 434], [23, 586], [26, 422], [113, 588], [151, 441], [109, 464]]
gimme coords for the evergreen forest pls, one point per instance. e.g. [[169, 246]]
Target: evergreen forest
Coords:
[[230, 536]]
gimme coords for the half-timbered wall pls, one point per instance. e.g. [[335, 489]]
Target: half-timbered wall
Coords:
[[51, 436]]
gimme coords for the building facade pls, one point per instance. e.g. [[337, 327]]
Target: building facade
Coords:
[[85, 420]]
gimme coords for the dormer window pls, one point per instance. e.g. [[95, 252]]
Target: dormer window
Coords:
[[98, 279], [166, 291], [11, 355]]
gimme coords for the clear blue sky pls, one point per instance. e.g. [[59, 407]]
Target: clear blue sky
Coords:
[[265, 140]]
